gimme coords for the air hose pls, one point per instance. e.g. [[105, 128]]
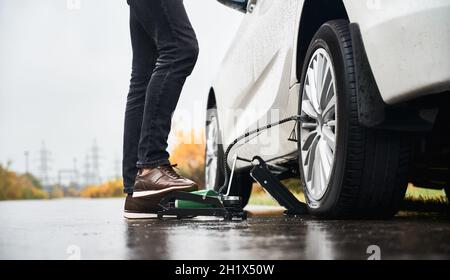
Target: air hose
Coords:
[[297, 118]]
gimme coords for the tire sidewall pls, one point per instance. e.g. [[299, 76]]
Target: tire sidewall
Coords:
[[327, 39]]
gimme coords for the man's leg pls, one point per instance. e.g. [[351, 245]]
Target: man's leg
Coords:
[[144, 58], [167, 22]]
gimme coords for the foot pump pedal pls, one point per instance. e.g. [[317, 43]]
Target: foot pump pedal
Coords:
[[203, 203], [207, 203]]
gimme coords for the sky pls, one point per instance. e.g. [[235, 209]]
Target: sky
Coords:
[[64, 76]]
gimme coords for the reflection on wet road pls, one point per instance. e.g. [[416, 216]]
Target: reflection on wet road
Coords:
[[95, 228]]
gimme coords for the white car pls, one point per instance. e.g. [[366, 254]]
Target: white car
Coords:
[[372, 82]]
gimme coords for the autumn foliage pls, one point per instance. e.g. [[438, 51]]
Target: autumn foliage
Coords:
[[16, 186], [189, 155], [112, 188]]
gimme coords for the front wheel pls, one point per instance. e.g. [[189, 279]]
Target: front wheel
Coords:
[[348, 171], [214, 162]]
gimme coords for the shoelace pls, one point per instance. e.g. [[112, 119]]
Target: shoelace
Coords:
[[170, 170]]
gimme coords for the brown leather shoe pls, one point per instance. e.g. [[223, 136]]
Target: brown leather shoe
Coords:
[[142, 207], [159, 181], [150, 187]]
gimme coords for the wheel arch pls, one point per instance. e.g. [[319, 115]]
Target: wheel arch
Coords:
[[372, 110], [211, 102], [314, 14]]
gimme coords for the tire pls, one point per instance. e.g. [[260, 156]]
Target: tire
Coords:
[[367, 177], [214, 162]]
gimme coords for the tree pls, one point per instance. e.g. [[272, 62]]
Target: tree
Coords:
[[189, 155]]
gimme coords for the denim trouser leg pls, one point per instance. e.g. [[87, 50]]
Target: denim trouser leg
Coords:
[[165, 50]]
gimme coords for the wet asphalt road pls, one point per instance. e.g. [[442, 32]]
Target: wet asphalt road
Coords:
[[94, 229]]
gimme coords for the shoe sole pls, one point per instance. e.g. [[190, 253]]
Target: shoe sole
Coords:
[[137, 216], [144, 216]]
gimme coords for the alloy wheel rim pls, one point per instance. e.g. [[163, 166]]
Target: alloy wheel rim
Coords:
[[318, 133], [211, 159]]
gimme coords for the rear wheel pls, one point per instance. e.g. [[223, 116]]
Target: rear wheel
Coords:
[[214, 162], [348, 171]]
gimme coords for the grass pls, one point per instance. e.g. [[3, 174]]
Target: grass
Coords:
[[416, 199], [425, 200], [414, 193]]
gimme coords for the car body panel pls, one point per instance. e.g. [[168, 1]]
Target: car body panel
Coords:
[[407, 44]]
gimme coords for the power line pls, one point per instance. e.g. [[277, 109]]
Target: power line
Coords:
[[76, 172], [27, 162], [117, 167], [87, 171], [95, 154], [44, 166]]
